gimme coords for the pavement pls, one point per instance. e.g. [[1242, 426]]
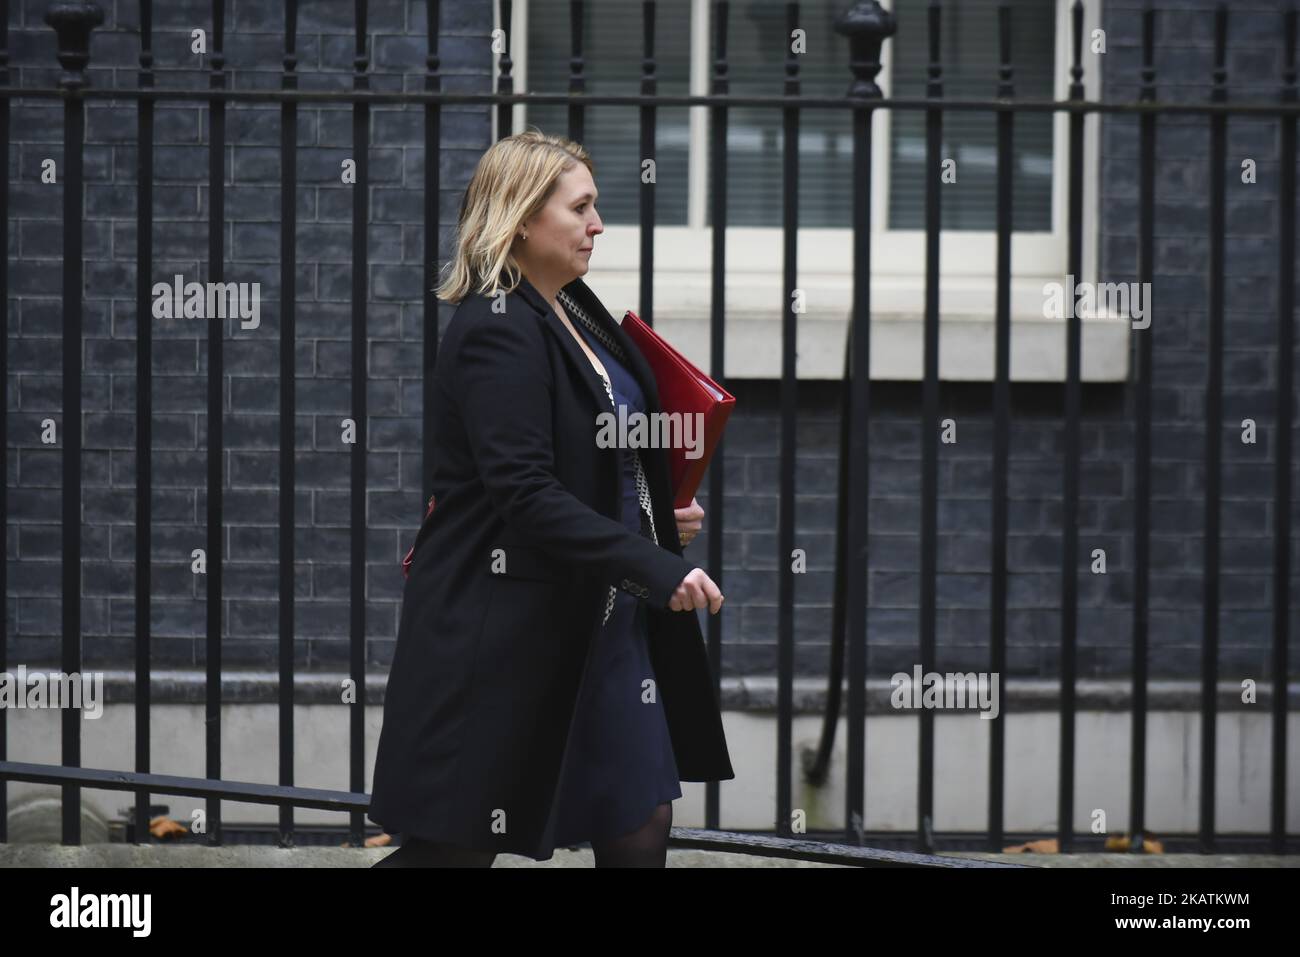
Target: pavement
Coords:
[[177, 855]]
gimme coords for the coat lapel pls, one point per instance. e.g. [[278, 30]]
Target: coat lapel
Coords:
[[586, 371]]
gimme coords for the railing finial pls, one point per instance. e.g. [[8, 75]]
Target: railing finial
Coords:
[[867, 25], [73, 20]]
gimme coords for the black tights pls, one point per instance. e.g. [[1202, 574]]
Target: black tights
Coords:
[[647, 846]]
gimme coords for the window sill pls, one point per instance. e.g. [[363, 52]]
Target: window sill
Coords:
[[966, 328]]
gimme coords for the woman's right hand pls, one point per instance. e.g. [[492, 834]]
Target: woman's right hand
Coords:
[[696, 591]]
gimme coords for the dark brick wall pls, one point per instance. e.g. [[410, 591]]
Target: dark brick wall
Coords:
[[1184, 66], [253, 47], [396, 330]]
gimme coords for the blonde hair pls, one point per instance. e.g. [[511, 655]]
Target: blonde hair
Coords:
[[512, 182]]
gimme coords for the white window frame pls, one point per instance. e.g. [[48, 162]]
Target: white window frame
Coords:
[[683, 259]]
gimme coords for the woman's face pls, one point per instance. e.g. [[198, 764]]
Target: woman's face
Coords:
[[561, 236]]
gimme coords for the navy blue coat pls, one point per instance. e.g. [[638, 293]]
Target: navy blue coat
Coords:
[[508, 584]]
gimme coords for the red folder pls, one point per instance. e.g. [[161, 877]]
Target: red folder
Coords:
[[682, 388]]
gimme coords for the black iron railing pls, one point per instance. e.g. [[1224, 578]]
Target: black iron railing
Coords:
[[866, 26]]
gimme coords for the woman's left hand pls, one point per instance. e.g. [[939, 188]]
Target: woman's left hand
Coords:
[[689, 521]]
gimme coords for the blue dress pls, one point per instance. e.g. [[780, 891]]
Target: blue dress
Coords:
[[621, 764]]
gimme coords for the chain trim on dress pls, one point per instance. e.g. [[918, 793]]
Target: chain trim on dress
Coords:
[[642, 486]]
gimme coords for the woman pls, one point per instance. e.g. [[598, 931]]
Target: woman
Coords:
[[550, 685]]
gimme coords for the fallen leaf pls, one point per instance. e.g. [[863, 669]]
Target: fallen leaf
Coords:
[[1124, 842], [164, 828]]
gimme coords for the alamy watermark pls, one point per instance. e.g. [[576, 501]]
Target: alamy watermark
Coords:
[[130, 911], [1089, 299], [210, 300], [953, 691], [55, 689], [653, 430]]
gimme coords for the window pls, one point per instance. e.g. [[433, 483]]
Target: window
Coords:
[[612, 64], [969, 52], [757, 45]]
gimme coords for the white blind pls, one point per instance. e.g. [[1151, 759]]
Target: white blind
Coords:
[[612, 48], [969, 55], [757, 45]]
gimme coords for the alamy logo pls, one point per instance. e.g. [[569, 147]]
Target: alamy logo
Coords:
[[211, 300], [102, 910], [53, 690], [1087, 299], [655, 430], [952, 691]]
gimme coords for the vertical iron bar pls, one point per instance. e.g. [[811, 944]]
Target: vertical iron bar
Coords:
[[216, 408], [288, 405], [143, 417], [1142, 446], [816, 767], [1001, 428], [717, 354], [867, 25], [1213, 438], [357, 520], [73, 23], [647, 193], [4, 418], [789, 410], [505, 83], [432, 240], [74, 127], [930, 425], [1070, 496], [1282, 464], [577, 82]]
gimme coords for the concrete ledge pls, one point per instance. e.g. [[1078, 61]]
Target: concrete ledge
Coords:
[[897, 346], [1141, 861], [157, 855], [759, 693], [746, 693], [132, 855]]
